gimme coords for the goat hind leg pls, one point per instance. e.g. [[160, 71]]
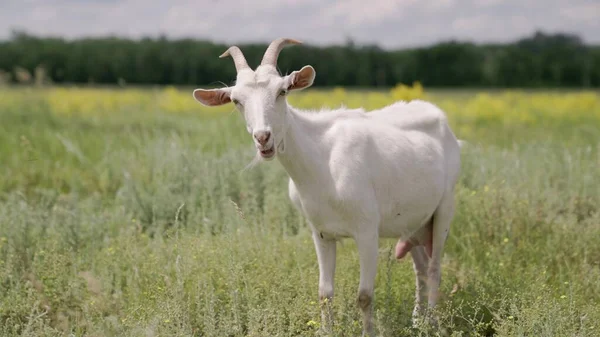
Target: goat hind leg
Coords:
[[420, 264], [442, 219]]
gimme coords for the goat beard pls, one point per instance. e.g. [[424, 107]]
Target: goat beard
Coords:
[[254, 162]]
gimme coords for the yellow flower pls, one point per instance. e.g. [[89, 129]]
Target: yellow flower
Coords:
[[312, 323]]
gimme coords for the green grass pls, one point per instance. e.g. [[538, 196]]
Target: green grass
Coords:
[[144, 224]]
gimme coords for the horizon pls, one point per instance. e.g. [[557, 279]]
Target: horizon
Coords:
[[389, 24], [14, 33]]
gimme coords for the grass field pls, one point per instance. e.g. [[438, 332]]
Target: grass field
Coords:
[[127, 213]]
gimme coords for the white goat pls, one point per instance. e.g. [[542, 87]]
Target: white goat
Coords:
[[387, 173]]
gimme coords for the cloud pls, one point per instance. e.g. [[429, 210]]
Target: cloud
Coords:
[[357, 12], [495, 28], [388, 23], [587, 12]]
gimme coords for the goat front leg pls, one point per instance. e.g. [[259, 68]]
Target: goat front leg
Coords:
[[368, 244], [326, 250]]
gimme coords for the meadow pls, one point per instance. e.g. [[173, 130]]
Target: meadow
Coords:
[[128, 212]]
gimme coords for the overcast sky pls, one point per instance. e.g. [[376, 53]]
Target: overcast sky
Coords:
[[388, 23]]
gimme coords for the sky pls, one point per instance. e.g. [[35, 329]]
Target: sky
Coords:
[[387, 23]]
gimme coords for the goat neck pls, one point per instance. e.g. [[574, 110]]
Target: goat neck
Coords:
[[304, 157]]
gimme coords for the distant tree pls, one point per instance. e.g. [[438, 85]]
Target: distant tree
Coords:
[[539, 60]]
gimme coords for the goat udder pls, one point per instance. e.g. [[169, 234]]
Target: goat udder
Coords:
[[403, 247]]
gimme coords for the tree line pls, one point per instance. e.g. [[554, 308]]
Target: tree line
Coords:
[[540, 60]]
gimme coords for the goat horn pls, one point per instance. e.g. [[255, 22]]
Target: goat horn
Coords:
[[274, 49], [238, 58]]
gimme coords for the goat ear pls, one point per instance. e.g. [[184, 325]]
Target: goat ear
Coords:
[[301, 79], [213, 97]]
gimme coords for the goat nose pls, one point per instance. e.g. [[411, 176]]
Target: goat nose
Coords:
[[262, 137]]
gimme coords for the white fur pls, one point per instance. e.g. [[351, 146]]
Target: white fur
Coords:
[[360, 175], [368, 175]]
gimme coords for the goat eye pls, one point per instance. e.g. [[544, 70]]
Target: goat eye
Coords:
[[282, 93], [235, 101]]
